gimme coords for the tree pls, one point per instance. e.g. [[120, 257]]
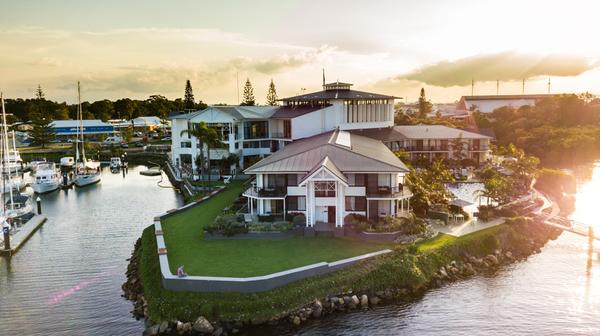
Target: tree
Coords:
[[248, 94], [102, 109], [428, 186], [272, 95], [425, 105], [188, 98], [205, 136], [458, 149], [39, 93], [61, 112], [124, 108], [158, 106], [42, 133]]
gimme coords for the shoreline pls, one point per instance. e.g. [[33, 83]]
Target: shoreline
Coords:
[[406, 273]]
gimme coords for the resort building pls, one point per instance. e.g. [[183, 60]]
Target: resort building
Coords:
[[327, 177], [66, 128], [253, 132], [431, 142], [487, 104]]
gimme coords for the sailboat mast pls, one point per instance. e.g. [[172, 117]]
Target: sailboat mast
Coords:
[[5, 156], [77, 129], [81, 123], [2, 165]]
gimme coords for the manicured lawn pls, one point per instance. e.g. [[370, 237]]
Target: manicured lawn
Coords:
[[435, 242], [244, 258]]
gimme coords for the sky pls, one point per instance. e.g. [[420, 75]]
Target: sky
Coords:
[[139, 48]]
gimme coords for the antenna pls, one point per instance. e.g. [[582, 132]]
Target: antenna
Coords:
[[497, 87], [523, 89], [472, 87], [548, 85]]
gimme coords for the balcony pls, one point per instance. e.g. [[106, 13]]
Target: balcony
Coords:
[[279, 135], [274, 192], [388, 192]]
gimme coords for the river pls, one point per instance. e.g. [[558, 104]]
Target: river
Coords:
[[66, 280]]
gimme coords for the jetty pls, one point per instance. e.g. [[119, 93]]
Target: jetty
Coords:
[[22, 235]]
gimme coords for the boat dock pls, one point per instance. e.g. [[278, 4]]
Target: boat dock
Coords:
[[22, 235]]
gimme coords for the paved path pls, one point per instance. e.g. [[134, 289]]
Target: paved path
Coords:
[[474, 225], [24, 232]]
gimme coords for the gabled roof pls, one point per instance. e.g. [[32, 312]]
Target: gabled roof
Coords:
[[338, 94], [353, 153], [330, 167], [236, 111]]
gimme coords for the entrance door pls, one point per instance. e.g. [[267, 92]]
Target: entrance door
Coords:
[[331, 214]]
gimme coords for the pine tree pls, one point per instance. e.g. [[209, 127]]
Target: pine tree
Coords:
[[248, 94], [188, 99], [39, 93], [42, 133], [272, 95], [425, 105]]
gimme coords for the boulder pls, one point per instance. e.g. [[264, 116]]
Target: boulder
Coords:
[[491, 259], [317, 310], [355, 300], [218, 332], [296, 320], [508, 255], [151, 330], [202, 325], [179, 326], [347, 300], [341, 301], [374, 300], [364, 301], [164, 325], [443, 272], [187, 327]]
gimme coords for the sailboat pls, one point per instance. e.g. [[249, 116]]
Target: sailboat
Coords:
[[19, 207], [86, 173], [15, 182]]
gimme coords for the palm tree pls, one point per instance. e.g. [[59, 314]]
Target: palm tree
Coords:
[[204, 135], [211, 139]]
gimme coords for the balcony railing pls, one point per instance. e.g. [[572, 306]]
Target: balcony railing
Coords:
[[442, 148], [388, 192], [278, 192]]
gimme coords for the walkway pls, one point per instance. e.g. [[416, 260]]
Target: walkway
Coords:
[[23, 233]]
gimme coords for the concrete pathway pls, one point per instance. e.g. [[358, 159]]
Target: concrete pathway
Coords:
[[23, 233]]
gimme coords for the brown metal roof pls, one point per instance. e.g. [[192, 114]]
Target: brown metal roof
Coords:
[[338, 94], [289, 112], [403, 132], [363, 155]]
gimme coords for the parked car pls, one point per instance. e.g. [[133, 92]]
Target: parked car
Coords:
[[124, 145], [167, 138], [138, 134], [139, 144], [112, 141]]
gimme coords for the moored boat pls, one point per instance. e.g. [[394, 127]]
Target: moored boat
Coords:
[[46, 178]]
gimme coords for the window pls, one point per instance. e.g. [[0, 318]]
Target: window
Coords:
[[292, 180], [186, 144], [354, 203], [324, 189], [296, 203], [287, 129]]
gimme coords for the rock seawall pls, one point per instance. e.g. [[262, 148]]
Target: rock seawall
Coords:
[[517, 240]]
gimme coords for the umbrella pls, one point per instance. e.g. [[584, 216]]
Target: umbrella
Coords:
[[460, 203]]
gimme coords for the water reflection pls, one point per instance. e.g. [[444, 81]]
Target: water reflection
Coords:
[[67, 278]]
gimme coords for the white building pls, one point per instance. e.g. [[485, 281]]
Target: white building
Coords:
[[487, 104], [327, 177], [252, 132]]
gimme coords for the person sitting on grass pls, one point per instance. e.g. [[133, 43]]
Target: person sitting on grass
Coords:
[[180, 272]]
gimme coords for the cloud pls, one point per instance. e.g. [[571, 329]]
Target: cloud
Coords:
[[503, 66]]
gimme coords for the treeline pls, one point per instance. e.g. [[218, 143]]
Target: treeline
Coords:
[[562, 130], [125, 108]]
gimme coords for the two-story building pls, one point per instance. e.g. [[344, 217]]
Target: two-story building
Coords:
[[432, 142], [253, 132], [327, 177]]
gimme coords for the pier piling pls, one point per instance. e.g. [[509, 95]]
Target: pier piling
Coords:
[[39, 205]]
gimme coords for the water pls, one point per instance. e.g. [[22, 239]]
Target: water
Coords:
[[66, 280]]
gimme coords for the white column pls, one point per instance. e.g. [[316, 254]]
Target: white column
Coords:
[[393, 207]]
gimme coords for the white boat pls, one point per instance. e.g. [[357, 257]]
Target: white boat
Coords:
[[46, 178], [67, 161], [32, 165], [19, 208], [86, 172], [115, 163]]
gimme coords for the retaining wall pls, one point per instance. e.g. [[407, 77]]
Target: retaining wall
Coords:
[[242, 285]]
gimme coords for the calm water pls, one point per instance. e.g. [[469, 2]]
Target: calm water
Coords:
[[67, 278]]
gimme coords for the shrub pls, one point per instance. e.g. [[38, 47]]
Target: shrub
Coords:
[[299, 220], [358, 222]]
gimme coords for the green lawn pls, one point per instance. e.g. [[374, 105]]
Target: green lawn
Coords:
[[243, 258]]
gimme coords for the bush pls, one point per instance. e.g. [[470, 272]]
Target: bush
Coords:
[[280, 226], [290, 216], [266, 218], [358, 222], [229, 225], [299, 220]]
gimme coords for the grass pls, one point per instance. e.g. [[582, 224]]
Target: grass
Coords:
[[184, 237], [403, 268]]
